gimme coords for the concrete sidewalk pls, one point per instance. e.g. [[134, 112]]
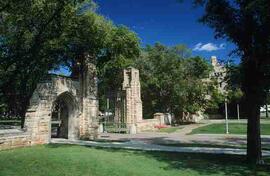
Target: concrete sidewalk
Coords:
[[182, 136], [138, 145]]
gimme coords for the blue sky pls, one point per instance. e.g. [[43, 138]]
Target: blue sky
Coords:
[[168, 22]]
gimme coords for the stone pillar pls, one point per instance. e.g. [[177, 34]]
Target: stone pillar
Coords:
[[37, 118], [133, 103], [160, 117], [89, 101]]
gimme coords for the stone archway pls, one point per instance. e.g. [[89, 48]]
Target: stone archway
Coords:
[[65, 117], [80, 108], [79, 97]]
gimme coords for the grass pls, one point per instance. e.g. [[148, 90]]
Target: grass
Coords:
[[234, 128], [68, 160], [169, 130]]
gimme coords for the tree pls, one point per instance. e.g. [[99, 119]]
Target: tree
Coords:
[[233, 80], [246, 23], [85, 36], [172, 81], [29, 46], [122, 48], [38, 36]]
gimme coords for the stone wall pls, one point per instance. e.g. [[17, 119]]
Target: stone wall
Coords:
[[11, 139], [147, 125], [38, 115], [81, 103]]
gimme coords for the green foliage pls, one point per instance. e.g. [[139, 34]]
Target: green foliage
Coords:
[[170, 82], [30, 45], [85, 35], [233, 78], [216, 98], [122, 48], [38, 36], [235, 95]]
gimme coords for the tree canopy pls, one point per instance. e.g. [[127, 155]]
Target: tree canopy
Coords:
[[173, 81], [39, 36], [123, 48]]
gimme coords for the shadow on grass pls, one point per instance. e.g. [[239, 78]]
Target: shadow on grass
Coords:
[[59, 145], [204, 164]]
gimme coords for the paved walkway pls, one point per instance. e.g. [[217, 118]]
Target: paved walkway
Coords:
[[182, 136], [153, 141], [136, 145]]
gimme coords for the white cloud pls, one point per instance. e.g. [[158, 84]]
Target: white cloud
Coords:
[[208, 47]]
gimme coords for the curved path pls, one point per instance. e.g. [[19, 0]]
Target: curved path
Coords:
[[156, 141], [135, 145], [183, 136]]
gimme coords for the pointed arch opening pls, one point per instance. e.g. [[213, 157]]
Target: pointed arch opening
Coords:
[[64, 117]]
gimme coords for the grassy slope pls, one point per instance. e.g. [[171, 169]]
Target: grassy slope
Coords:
[[54, 160], [234, 128]]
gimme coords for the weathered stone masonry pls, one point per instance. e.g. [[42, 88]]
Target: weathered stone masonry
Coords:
[[80, 98], [129, 109]]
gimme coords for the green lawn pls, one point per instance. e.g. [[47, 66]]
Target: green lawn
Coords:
[[234, 128], [68, 160]]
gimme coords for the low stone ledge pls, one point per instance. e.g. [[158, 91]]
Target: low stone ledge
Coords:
[[13, 139], [147, 125], [10, 132]]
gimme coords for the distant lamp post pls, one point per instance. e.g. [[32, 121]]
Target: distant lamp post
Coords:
[[226, 116], [238, 111], [266, 111]]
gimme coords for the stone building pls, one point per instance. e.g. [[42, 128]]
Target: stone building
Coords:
[[60, 107], [219, 73]]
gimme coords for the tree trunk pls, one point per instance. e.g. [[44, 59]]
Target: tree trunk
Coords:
[[253, 84], [254, 153]]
